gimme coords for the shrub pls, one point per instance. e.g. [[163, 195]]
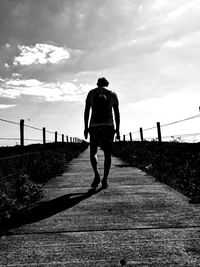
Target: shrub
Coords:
[[20, 195], [176, 164], [34, 166]]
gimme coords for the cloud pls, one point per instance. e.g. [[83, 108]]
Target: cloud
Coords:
[[145, 47], [41, 54], [15, 74], [24, 83], [5, 106], [65, 92], [6, 65], [9, 93]]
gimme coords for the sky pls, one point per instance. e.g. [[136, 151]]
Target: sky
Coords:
[[53, 52]]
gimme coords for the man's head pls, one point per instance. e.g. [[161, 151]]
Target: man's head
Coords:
[[102, 82]]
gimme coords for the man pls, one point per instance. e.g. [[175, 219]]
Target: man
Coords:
[[102, 102]]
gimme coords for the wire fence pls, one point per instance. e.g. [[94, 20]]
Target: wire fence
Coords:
[[28, 137], [143, 134], [140, 135]]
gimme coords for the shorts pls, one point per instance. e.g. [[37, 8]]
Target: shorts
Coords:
[[102, 136]]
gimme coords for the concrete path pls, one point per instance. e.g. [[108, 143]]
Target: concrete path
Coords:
[[135, 222]]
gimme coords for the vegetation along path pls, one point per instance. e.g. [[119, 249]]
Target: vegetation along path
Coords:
[[136, 221]]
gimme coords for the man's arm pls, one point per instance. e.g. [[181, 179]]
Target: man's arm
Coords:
[[86, 119], [117, 119]]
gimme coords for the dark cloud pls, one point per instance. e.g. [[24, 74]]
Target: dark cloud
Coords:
[[80, 24], [86, 27], [27, 21]]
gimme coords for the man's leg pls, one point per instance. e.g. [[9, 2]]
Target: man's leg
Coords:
[[107, 164], [94, 163]]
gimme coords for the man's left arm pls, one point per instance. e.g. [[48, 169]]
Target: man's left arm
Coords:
[[117, 117]]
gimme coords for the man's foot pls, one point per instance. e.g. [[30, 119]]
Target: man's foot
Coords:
[[95, 182], [105, 184]]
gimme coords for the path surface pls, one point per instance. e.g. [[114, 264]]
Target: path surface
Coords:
[[137, 221]]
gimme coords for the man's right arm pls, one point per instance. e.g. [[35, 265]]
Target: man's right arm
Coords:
[[86, 118]]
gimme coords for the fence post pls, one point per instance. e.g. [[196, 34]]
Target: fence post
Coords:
[[141, 134], [160, 149], [131, 137], [63, 138], [67, 139], [44, 135], [70, 139], [124, 138], [159, 132], [22, 132], [56, 137]]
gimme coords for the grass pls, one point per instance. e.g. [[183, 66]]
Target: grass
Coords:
[[176, 164], [23, 172]]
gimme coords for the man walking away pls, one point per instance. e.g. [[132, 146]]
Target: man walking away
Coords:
[[102, 102]]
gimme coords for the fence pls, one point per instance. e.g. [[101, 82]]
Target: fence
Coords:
[[43, 131], [158, 137]]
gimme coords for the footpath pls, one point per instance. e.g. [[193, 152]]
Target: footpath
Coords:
[[137, 221]]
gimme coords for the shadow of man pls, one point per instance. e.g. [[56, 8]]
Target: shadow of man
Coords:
[[46, 209]]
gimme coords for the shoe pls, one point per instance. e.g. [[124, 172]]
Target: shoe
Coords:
[[104, 184], [95, 182]]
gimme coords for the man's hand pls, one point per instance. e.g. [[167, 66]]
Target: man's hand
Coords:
[[86, 131], [117, 134]]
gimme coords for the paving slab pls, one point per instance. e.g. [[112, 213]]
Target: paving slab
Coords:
[[137, 221]]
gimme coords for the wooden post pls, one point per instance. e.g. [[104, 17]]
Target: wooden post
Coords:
[[67, 139], [124, 138], [63, 138], [56, 137], [141, 134], [160, 163], [159, 132], [70, 139], [22, 133], [44, 135], [131, 137]]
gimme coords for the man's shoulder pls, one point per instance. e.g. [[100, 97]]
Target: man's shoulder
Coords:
[[111, 92], [113, 95], [91, 92]]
